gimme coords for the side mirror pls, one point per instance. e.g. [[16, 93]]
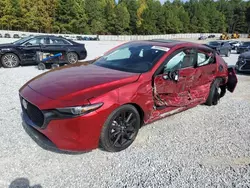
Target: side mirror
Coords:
[[27, 44]]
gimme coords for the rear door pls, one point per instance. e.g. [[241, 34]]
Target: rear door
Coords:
[[57, 45], [224, 48], [204, 74]]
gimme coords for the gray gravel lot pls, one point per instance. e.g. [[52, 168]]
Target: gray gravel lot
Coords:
[[201, 147]]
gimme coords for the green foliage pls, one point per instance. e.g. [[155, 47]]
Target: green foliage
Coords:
[[122, 19], [125, 16]]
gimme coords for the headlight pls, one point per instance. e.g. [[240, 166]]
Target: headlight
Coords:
[[79, 110]]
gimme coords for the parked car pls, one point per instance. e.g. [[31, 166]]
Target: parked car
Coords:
[[7, 35], [222, 47], [202, 38], [16, 36], [243, 63], [1, 36], [244, 47], [23, 35], [211, 36], [78, 107], [24, 51], [79, 38], [235, 44]]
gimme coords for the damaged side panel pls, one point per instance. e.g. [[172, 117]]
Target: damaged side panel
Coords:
[[192, 87]]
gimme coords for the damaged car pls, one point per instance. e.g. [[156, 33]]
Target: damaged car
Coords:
[[105, 102]]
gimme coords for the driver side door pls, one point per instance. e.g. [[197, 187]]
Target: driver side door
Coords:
[[30, 47], [172, 83]]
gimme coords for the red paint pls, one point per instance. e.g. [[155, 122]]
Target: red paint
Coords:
[[83, 84]]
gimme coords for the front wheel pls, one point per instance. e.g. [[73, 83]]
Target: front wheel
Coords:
[[120, 129], [10, 60], [72, 57]]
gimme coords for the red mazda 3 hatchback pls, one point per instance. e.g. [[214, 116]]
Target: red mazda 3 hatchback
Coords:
[[105, 102]]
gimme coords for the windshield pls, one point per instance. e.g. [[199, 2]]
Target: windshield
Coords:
[[214, 43], [246, 44], [132, 57], [20, 41]]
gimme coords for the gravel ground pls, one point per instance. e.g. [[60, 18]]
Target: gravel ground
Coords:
[[201, 147]]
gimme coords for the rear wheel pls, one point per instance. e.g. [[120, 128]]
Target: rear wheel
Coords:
[[215, 93], [10, 60], [120, 129], [72, 57]]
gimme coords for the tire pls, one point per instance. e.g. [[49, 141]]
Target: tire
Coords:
[[10, 60], [228, 53], [214, 94], [41, 66], [118, 133], [72, 57]]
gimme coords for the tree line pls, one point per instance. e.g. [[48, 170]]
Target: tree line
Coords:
[[125, 16]]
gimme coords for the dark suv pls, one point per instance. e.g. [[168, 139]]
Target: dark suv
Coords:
[[243, 63], [222, 47]]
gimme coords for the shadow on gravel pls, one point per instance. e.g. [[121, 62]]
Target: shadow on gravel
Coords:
[[22, 183], [243, 73], [45, 143]]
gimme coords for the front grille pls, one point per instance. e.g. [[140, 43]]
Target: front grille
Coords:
[[34, 113], [247, 65]]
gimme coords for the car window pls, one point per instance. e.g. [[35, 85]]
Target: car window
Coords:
[[214, 43], [183, 59], [58, 41], [119, 54], [204, 57], [132, 57], [35, 41], [246, 44]]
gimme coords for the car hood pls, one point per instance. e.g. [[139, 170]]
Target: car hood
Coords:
[[6, 45], [212, 46], [245, 55], [80, 82]]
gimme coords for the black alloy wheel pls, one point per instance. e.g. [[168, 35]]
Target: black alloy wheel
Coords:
[[120, 129]]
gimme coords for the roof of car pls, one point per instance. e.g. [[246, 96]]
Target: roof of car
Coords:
[[170, 43]]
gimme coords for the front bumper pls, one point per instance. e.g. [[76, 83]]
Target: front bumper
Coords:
[[75, 134], [68, 134]]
